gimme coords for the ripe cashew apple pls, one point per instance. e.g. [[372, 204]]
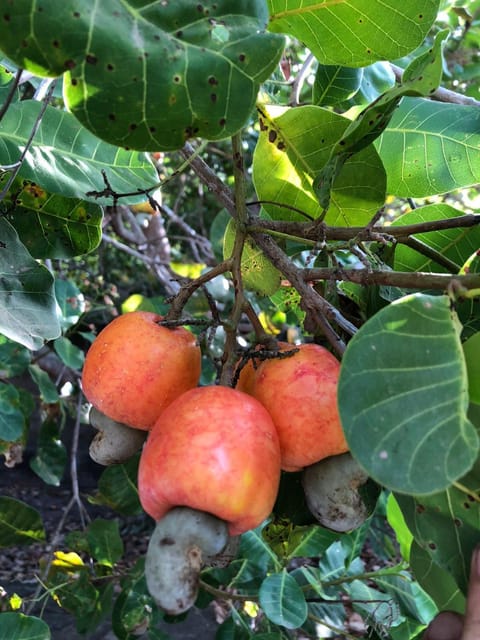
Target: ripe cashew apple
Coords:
[[210, 468], [136, 367], [213, 449], [300, 393]]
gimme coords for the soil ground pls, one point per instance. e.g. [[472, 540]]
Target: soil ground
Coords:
[[17, 564]]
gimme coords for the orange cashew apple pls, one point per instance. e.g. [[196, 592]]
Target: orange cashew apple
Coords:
[[136, 367], [215, 450], [300, 394]]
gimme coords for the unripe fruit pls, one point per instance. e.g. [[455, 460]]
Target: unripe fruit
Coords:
[[214, 449], [135, 368], [300, 393]]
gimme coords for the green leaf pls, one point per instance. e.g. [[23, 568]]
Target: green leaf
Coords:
[[149, 75], [437, 582], [132, 610], [395, 519], [105, 542], [19, 523], [293, 147], [282, 600], [403, 397], [16, 626], [355, 33], [117, 488], [431, 148], [422, 77], [471, 350], [14, 359], [66, 159], [28, 312], [455, 244], [71, 302], [258, 273], [70, 355], [335, 84], [52, 226], [259, 553], [446, 526], [12, 419], [51, 456], [48, 390]]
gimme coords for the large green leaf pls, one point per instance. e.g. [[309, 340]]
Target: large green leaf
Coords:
[[455, 244], [293, 147], [148, 75], [52, 226], [403, 396], [16, 626], [354, 32], [65, 158], [51, 455], [438, 582], [19, 523], [431, 148], [27, 301], [446, 525]]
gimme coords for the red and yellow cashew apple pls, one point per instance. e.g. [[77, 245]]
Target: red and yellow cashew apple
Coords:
[[136, 367], [300, 394], [213, 449], [210, 468]]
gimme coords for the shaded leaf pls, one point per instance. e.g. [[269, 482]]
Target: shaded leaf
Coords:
[[66, 159], [52, 226], [19, 523], [12, 419], [431, 148], [471, 350], [14, 359], [195, 69], [70, 354], [48, 390], [334, 84], [283, 601], [105, 542], [446, 525], [71, 302], [16, 626], [28, 312], [117, 488], [51, 456], [439, 583], [355, 32], [455, 244], [403, 396]]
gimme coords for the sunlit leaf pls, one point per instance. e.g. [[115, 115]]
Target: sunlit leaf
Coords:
[[355, 32], [431, 148], [293, 147], [65, 158], [148, 75]]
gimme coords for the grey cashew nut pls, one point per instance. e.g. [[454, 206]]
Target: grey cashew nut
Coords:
[[178, 548], [332, 492], [115, 442]]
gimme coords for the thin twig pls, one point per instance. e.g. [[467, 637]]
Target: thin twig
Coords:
[[441, 94], [11, 93], [403, 280]]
